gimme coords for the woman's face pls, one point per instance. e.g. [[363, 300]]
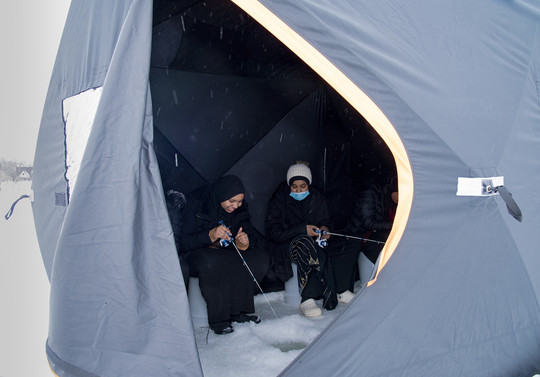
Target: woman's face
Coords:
[[230, 205], [299, 186]]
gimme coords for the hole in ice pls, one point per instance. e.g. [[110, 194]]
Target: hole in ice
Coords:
[[290, 346]]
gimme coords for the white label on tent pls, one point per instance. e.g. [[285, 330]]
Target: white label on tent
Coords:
[[478, 186], [79, 112]]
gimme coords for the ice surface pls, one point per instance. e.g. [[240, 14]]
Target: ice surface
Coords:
[[255, 350]]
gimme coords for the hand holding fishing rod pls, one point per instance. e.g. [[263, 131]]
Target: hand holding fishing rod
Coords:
[[221, 232], [224, 242], [316, 230], [321, 234], [224, 234]]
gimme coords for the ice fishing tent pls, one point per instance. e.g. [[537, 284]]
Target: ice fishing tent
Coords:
[[451, 87]]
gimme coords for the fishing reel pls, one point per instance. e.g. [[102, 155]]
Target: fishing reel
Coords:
[[224, 242], [322, 242]]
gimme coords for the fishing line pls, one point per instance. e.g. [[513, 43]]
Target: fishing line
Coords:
[[347, 236], [224, 243]]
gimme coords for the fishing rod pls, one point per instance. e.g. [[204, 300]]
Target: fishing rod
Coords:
[[224, 243], [318, 231]]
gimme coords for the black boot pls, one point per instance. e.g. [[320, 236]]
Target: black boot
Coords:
[[242, 317], [222, 327]]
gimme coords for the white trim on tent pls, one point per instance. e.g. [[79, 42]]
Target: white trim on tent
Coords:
[[359, 100], [477, 186]]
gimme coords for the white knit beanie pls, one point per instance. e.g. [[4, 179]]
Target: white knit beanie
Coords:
[[298, 171]]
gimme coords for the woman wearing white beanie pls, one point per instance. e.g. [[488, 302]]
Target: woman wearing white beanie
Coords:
[[297, 214]]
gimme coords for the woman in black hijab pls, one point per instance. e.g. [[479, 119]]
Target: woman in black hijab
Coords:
[[214, 213]]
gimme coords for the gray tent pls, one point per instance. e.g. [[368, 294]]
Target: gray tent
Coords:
[[451, 87]]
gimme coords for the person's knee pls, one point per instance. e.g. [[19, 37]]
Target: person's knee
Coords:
[[204, 262]]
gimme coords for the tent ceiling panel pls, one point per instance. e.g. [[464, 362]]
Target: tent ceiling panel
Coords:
[[214, 120], [294, 137], [221, 39], [212, 12], [176, 173]]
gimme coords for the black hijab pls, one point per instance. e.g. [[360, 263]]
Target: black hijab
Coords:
[[227, 187]]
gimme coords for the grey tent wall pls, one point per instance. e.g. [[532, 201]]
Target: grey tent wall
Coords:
[[118, 302], [459, 82], [459, 296], [68, 79]]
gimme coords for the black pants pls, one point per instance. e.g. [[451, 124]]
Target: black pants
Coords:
[[225, 282], [333, 269], [315, 273], [344, 255]]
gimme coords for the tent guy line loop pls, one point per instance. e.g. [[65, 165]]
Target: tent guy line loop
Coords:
[[489, 186], [224, 243], [511, 205], [10, 212], [347, 236]]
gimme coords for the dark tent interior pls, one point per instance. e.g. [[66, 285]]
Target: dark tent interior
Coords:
[[230, 98]]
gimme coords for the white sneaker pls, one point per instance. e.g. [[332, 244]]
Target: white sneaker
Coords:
[[310, 308], [345, 297]]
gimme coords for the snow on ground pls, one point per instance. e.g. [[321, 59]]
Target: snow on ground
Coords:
[[264, 349], [255, 350]]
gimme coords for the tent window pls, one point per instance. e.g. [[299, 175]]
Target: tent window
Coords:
[[78, 112]]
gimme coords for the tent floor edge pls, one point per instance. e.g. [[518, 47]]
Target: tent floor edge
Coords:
[[62, 369]]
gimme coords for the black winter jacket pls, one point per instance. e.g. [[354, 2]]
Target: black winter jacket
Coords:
[[203, 213], [371, 210], [287, 218]]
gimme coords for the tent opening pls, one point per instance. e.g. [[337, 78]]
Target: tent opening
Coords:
[[229, 98]]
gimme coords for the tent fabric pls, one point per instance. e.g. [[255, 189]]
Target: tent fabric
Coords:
[[361, 102], [452, 87], [462, 97], [118, 302]]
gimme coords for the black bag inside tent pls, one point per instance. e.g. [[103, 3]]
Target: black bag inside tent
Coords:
[[229, 98]]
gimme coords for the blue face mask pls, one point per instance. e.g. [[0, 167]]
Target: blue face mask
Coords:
[[299, 195]]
